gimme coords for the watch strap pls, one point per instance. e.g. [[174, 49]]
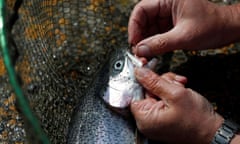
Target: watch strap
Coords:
[[225, 133]]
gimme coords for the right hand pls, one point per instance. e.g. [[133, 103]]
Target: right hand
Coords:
[[159, 26], [181, 115]]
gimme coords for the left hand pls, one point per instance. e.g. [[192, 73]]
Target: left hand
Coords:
[[160, 26]]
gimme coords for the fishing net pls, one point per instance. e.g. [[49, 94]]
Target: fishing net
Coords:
[[56, 48]]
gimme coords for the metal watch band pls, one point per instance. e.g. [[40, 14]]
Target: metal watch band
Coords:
[[225, 133]]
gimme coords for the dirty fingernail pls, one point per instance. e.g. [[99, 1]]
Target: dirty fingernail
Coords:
[[181, 79], [143, 50]]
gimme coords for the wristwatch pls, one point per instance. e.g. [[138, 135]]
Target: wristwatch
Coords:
[[226, 132]]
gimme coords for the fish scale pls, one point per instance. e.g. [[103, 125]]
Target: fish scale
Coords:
[[94, 122]]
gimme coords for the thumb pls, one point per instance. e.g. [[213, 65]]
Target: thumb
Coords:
[[160, 43], [155, 84]]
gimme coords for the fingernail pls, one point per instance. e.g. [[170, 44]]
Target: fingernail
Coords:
[[141, 73], [134, 105], [143, 50], [180, 78]]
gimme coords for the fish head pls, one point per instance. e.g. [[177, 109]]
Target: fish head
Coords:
[[122, 87]]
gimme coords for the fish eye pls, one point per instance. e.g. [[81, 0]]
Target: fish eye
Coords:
[[118, 65]]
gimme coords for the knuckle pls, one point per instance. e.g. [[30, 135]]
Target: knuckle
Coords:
[[153, 84], [141, 14], [180, 93], [158, 43], [168, 75]]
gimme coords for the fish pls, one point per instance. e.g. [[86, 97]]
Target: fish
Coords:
[[123, 88], [94, 121]]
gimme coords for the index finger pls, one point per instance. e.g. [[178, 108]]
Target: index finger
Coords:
[[144, 14], [143, 11]]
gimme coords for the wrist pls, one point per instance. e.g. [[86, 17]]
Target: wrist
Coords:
[[236, 139], [208, 128], [230, 20], [214, 126]]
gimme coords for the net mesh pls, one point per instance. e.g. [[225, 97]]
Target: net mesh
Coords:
[[59, 47]]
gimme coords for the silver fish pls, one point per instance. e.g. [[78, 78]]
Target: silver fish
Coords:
[[123, 87], [93, 121]]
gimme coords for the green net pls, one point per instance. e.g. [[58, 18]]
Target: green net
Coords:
[[13, 79], [57, 47]]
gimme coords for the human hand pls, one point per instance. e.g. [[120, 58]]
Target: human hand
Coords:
[[180, 116], [159, 26]]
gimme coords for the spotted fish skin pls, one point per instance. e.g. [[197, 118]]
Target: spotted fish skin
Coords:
[[93, 122]]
